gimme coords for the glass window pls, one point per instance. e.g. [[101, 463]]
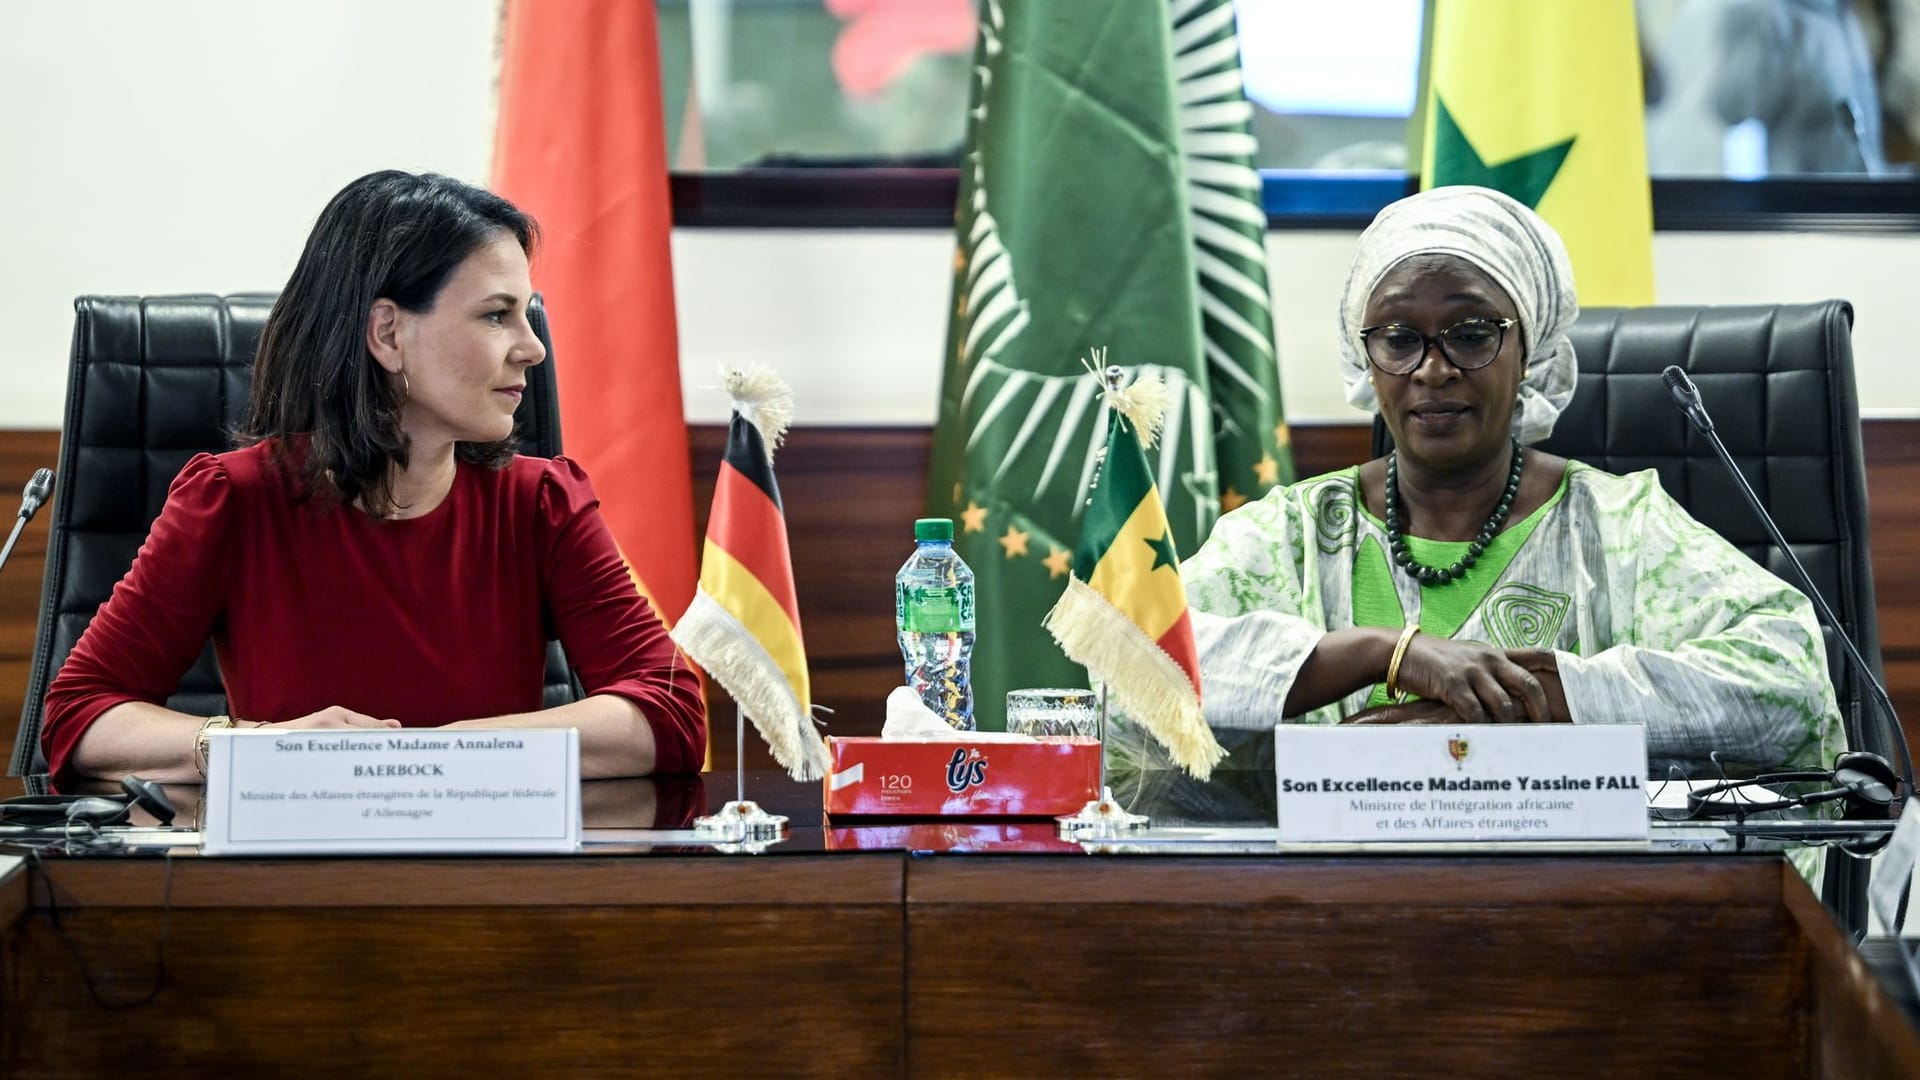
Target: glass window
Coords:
[[1755, 88], [1332, 84], [1736, 89], [825, 83]]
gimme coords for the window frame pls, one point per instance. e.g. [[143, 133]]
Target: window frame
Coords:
[[884, 198]]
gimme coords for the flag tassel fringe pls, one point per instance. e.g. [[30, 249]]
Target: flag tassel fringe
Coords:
[[764, 399], [1145, 682], [718, 643]]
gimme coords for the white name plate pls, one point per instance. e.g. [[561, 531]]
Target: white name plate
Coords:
[[281, 792], [1894, 872], [1461, 782]]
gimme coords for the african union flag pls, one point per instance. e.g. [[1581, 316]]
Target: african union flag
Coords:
[[744, 624], [1124, 612], [1107, 194]]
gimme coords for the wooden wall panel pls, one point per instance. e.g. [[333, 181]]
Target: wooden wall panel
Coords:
[[1892, 449], [21, 452], [851, 495]]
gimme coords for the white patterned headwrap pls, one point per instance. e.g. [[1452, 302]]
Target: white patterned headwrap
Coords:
[[1511, 245]]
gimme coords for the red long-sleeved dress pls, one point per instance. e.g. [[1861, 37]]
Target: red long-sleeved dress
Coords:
[[424, 620]]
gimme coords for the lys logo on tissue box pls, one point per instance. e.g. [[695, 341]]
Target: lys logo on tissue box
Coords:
[[961, 776], [967, 768]]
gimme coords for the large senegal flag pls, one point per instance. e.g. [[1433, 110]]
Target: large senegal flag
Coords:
[[743, 626], [581, 145], [1124, 612], [1544, 102], [1108, 196]]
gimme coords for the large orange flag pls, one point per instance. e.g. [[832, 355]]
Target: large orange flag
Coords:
[[581, 145]]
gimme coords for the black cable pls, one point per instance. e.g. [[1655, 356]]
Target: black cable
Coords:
[[35, 856]]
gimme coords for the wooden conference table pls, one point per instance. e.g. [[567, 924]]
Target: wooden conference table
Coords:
[[940, 951]]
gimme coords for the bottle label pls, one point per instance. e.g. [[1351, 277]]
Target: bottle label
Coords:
[[935, 609]]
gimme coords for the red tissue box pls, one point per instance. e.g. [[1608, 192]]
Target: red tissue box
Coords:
[[992, 836], [913, 777]]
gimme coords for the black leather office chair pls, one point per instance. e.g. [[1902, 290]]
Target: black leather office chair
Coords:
[[1778, 381], [153, 381]]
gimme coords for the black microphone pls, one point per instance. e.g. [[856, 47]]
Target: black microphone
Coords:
[[39, 489], [1686, 397]]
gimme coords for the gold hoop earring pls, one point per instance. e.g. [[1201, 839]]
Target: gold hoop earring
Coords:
[[406, 387]]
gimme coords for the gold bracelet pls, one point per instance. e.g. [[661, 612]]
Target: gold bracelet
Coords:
[[1399, 654], [201, 741]]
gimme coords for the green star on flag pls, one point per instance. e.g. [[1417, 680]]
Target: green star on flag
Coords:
[[1552, 94], [1526, 177], [1163, 553]]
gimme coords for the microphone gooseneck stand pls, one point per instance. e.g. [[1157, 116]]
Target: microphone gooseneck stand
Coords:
[[38, 489], [1686, 397]]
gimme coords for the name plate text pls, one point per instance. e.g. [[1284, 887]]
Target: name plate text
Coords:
[[1463, 782], [406, 790]]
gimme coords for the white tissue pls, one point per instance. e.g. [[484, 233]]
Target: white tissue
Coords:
[[909, 718]]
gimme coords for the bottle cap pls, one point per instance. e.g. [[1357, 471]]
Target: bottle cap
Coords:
[[933, 529]]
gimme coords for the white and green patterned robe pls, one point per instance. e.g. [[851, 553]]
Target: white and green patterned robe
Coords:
[[1655, 618]]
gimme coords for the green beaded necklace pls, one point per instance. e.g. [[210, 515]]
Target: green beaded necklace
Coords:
[[1397, 540]]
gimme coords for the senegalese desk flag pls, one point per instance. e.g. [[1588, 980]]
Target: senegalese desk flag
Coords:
[[1123, 615], [1543, 101], [743, 626]]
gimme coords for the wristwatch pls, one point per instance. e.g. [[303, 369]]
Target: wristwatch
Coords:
[[201, 742]]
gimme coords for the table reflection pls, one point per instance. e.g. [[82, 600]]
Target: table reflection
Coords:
[[1234, 815], [639, 802]]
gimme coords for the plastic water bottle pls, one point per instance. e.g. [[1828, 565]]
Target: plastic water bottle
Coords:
[[933, 609]]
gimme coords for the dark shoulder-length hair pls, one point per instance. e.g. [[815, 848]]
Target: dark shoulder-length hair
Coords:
[[332, 412]]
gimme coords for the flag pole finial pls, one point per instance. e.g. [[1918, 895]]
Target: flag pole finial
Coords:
[[763, 398], [1144, 403]]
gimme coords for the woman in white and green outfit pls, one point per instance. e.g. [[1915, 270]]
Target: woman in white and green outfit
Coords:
[[1468, 577]]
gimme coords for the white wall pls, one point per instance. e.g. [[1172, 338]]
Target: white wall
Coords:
[[186, 146], [857, 319]]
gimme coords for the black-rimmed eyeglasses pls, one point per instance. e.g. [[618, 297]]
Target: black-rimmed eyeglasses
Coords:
[[1397, 348]]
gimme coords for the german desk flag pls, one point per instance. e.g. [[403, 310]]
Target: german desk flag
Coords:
[[1124, 613], [743, 626]]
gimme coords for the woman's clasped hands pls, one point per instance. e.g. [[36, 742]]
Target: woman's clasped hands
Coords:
[[1472, 682], [333, 716]]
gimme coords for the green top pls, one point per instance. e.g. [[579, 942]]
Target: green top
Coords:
[[1655, 618], [1444, 609], [932, 529]]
